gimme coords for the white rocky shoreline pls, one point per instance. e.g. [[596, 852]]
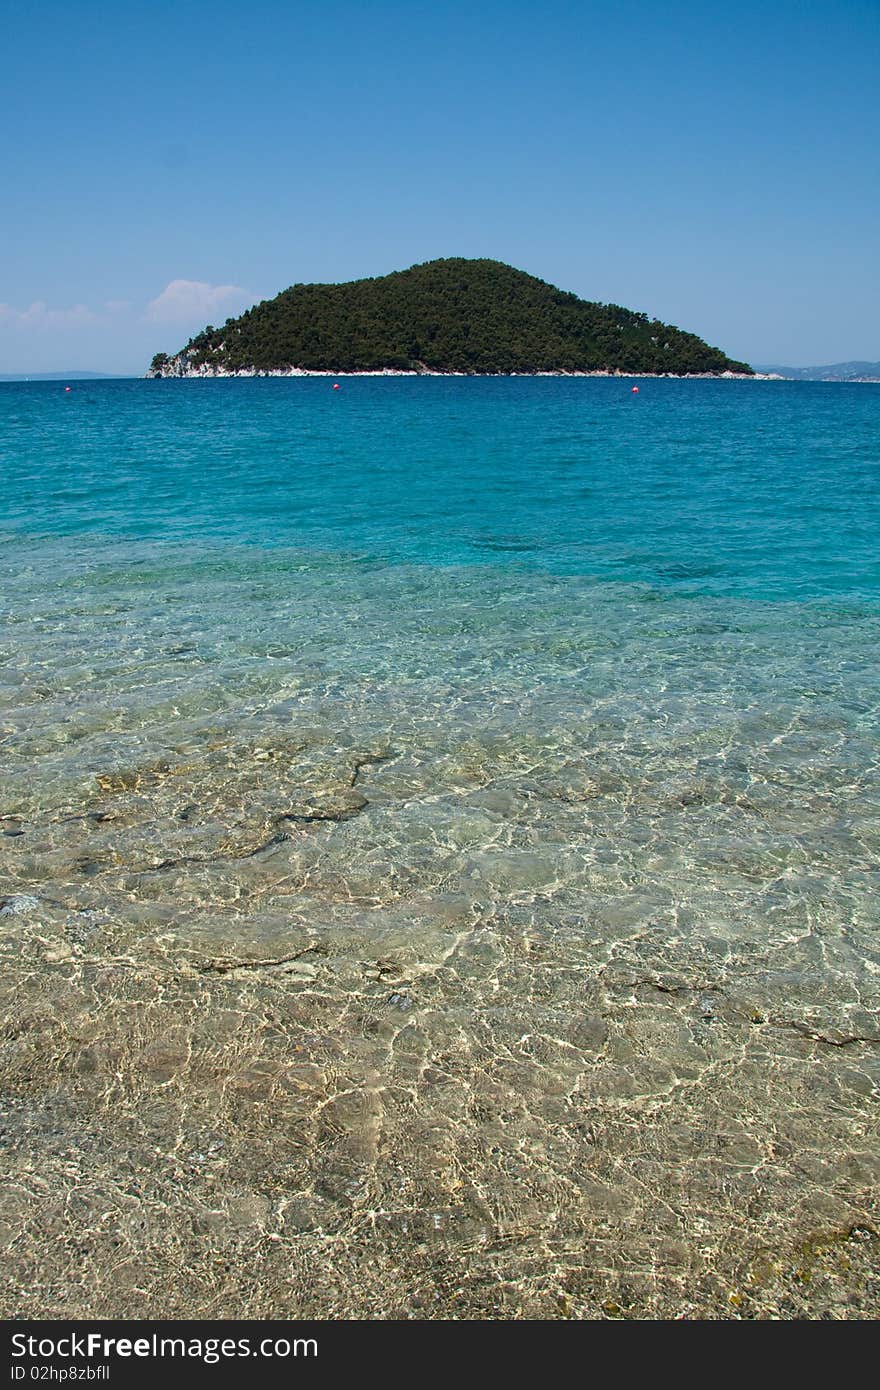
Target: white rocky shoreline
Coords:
[[174, 370]]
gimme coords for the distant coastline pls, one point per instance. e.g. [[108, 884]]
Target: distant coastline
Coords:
[[63, 376], [863, 372]]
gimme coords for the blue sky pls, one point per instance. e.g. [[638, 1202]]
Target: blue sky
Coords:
[[164, 165]]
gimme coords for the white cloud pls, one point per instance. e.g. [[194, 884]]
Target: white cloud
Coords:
[[117, 306], [184, 300], [39, 315]]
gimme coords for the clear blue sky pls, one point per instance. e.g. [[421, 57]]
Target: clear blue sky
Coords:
[[715, 165]]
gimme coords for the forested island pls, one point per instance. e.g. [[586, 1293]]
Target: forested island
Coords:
[[452, 316]]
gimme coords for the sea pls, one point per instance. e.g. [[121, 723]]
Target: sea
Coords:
[[439, 827]]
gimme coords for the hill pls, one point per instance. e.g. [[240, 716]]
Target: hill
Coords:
[[59, 376], [839, 371], [470, 316]]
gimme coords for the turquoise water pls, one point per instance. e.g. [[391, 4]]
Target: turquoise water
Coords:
[[759, 490], [501, 756]]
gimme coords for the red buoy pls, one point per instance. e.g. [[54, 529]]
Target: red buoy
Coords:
[[67, 388], [635, 390], [336, 386]]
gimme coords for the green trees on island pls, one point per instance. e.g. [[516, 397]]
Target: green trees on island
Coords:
[[456, 315]]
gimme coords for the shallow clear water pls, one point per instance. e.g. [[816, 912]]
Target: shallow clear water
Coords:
[[440, 828]]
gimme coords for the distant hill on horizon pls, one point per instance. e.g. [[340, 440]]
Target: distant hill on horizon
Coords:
[[61, 376], [839, 371], [453, 315]]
